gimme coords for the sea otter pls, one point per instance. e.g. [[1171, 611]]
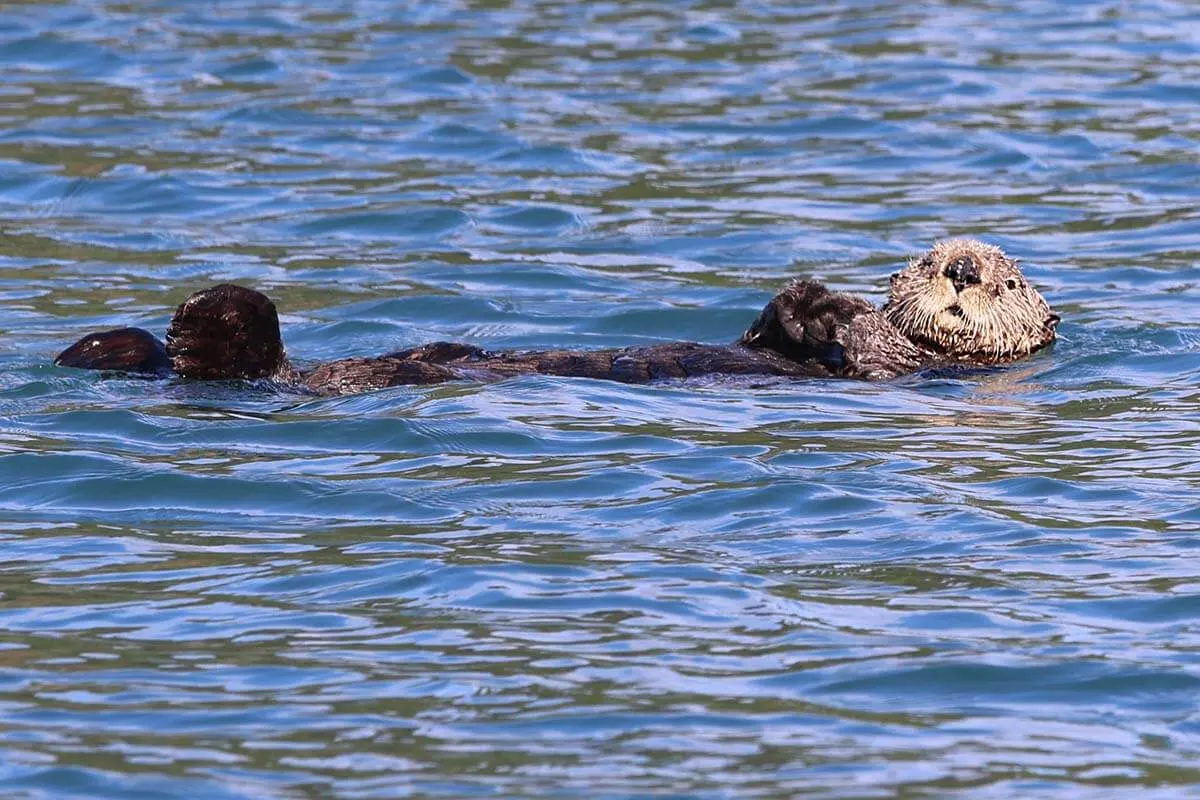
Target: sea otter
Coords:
[[962, 303]]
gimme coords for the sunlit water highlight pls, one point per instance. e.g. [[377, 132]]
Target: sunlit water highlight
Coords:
[[555, 587]]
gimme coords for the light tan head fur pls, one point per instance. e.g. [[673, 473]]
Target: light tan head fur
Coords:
[[969, 301]]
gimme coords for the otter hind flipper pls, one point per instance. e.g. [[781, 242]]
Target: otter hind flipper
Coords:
[[807, 323], [227, 332], [119, 350]]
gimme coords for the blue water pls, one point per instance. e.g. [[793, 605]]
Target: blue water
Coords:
[[985, 583]]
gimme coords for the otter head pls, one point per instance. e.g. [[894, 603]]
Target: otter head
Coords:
[[227, 332], [969, 301]]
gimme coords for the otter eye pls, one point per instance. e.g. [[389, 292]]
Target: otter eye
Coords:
[[1011, 283]]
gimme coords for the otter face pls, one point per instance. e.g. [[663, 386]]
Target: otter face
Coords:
[[969, 301]]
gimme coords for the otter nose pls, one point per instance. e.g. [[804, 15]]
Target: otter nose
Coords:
[[963, 272]]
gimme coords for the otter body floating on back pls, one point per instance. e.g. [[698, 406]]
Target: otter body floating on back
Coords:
[[963, 302]]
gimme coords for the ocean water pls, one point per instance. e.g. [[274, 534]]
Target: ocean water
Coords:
[[984, 583]]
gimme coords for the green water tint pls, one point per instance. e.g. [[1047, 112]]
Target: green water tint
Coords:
[[554, 587]]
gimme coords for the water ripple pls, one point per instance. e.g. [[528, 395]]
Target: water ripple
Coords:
[[978, 582]]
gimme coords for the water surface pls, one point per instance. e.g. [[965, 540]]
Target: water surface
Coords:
[[557, 587]]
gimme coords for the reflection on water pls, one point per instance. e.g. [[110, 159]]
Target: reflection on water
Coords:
[[549, 586]]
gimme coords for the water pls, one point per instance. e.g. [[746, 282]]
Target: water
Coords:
[[552, 587]]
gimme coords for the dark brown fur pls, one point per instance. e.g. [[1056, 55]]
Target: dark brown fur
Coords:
[[224, 332], [835, 334], [121, 349], [627, 365], [963, 302]]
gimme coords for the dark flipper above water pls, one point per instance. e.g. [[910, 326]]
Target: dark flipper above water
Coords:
[[963, 303], [837, 334], [120, 349], [802, 323], [227, 332], [230, 332]]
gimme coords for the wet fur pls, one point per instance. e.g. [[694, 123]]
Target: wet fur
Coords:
[[121, 350], [626, 365], [834, 334], [962, 303], [225, 332], [998, 319]]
